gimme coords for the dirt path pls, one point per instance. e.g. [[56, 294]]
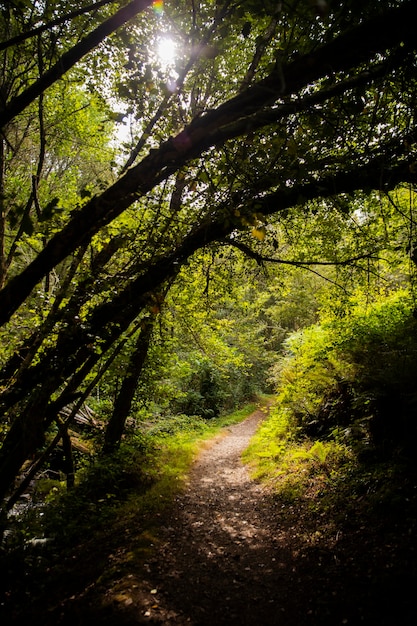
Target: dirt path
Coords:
[[233, 555], [228, 553], [222, 559]]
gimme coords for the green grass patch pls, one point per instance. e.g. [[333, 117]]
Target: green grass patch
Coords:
[[178, 441], [139, 480], [290, 465], [115, 512], [328, 483]]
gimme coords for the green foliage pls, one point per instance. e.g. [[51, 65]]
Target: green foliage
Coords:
[[353, 378], [141, 477], [291, 463], [215, 340], [203, 393], [214, 181], [176, 424]]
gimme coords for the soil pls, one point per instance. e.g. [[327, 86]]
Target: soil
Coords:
[[229, 553]]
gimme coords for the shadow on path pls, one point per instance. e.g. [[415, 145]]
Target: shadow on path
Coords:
[[229, 554]]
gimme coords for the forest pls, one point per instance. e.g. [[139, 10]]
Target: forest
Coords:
[[207, 207]]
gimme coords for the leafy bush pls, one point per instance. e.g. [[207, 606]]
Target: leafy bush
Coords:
[[205, 391], [172, 425], [354, 378], [141, 476]]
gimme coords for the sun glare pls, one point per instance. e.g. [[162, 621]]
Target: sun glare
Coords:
[[166, 50]]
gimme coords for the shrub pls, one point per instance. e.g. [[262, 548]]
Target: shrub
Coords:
[[354, 378]]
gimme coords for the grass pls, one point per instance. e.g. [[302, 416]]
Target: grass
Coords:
[[291, 465], [349, 522], [177, 445], [329, 484], [108, 524], [142, 478]]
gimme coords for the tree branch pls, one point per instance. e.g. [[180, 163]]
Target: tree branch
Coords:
[[374, 36], [168, 97], [56, 22], [70, 58], [261, 259]]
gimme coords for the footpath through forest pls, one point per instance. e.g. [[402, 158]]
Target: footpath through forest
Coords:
[[223, 558], [229, 553]]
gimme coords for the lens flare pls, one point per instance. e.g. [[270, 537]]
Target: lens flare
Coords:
[[158, 7]]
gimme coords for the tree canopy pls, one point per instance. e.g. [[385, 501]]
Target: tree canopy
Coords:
[[138, 137]]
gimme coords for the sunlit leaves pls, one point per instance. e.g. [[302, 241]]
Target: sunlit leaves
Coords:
[[259, 233], [236, 165]]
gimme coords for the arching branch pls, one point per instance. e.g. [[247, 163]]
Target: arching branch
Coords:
[[56, 22], [261, 259], [378, 34], [70, 58]]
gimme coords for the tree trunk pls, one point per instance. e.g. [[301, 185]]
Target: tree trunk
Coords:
[[345, 53], [3, 270], [110, 319], [124, 399]]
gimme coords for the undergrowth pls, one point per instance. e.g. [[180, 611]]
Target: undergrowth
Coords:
[[339, 442], [111, 519], [290, 464], [141, 478]]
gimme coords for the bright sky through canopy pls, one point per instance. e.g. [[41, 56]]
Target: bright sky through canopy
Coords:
[[166, 51], [166, 46]]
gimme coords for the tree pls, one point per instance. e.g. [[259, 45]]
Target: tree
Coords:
[[123, 402], [267, 110]]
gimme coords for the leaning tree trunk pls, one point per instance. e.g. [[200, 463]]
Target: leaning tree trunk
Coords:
[[123, 402], [236, 117]]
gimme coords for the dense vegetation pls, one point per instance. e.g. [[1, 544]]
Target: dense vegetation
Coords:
[[200, 202], [346, 396]]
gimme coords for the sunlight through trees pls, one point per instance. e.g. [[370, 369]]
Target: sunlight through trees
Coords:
[[265, 171]]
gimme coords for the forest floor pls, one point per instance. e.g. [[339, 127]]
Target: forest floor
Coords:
[[227, 552]]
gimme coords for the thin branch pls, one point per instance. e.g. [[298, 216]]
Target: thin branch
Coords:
[[260, 259], [408, 217], [70, 58], [20, 231], [59, 20], [263, 42], [168, 97], [328, 280]]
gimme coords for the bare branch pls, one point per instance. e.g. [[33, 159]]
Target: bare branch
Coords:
[[263, 42], [261, 259]]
